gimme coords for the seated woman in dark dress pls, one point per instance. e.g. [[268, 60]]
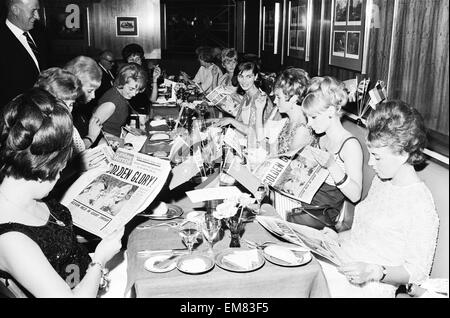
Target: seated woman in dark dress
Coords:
[[38, 247], [134, 53], [114, 107]]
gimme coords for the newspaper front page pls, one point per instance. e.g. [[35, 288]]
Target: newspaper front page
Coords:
[[298, 177], [304, 236], [105, 198]]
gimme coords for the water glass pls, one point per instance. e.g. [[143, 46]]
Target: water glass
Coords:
[[210, 228], [189, 233]]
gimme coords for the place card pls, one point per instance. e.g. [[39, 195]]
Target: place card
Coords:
[[219, 193]]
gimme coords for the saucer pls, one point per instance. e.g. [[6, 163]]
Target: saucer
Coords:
[[150, 263]]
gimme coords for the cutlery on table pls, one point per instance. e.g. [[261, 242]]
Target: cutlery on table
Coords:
[[167, 262], [258, 245], [175, 251], [149, 226]]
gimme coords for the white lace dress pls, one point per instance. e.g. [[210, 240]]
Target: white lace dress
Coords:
[[393, 226]]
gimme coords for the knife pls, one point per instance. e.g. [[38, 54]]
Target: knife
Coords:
[[175, 251]]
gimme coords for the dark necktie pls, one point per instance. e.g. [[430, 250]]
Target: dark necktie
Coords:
[[32, 45]]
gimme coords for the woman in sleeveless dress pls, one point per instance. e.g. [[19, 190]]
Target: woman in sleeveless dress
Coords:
[[38, 245], [344, 157]]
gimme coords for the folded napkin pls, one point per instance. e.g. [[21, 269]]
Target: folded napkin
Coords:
[[282, 253], [193, 265], [159, 137], [244, 259], [161, 209], [159, 122]]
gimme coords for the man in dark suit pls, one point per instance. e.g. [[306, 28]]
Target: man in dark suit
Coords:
[[23, 55], [106, 62]]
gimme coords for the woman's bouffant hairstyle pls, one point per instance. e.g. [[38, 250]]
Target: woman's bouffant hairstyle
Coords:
[[132, 49], [293, 81], [322, 93], [60, 83], [131, 71], [229, 55], [397, 125], [86, 69], [35, 136]]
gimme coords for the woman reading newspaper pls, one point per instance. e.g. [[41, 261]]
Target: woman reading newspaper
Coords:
[[38, 246], [393, 237], [341, 152], [248, 112]]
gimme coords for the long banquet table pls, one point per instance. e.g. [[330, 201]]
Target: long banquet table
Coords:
[[270, 281]]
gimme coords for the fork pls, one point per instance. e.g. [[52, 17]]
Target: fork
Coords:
[[149, 226], [171, 224], [258, 245]]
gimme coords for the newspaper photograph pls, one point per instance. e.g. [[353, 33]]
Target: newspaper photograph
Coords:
[[304, 236], [106, 198], [298, 177]]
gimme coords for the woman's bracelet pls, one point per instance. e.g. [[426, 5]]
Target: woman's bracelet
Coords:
[[104, 279], [340, 183], [88, 138]]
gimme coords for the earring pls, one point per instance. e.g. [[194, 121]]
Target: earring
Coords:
[[330, 117]]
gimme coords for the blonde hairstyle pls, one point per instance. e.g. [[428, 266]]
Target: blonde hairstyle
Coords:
[[229, 55], [86, 69], [131, 71], [322, 93]]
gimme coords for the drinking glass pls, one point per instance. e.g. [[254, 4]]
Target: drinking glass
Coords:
[[210, 227], [189, 233], [260, 195]]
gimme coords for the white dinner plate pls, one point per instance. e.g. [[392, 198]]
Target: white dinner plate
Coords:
[[223, 263], [303, 257], [173, 212], [150, 263], [194, 264]]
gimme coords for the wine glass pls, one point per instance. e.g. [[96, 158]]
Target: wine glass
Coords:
[[260, 195], [189, 233], [210, 227]]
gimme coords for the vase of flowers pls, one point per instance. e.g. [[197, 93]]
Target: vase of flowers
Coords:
[[231, 211]]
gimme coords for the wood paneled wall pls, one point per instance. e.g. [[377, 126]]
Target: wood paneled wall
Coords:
[[419, 63], [103, 25]]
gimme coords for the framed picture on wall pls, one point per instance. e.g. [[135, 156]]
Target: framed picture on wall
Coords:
[[126, 26], [353, 45], [355, 12], [339, 43], [348, 34], [340, 12], [298, 28]]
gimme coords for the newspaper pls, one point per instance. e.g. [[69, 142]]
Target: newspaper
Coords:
[[106, 198], [304, 236], [225, 100], [298, 177]]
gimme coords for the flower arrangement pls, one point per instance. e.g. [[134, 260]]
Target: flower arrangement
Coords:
[[231, 211]]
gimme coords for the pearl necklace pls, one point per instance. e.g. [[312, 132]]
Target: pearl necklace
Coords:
[[57, 221]]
